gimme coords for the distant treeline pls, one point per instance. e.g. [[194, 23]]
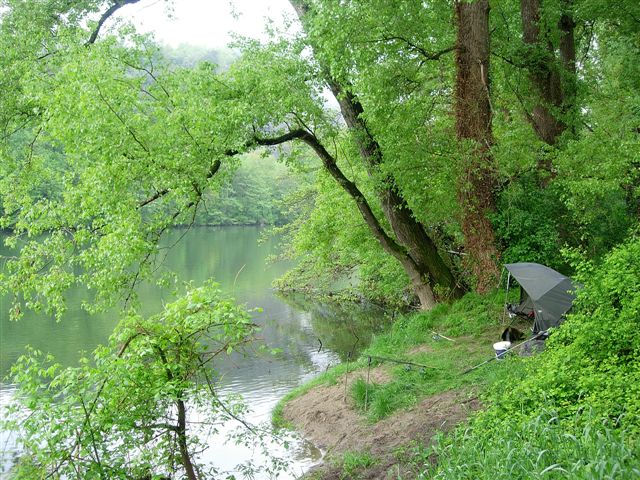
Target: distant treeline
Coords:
[[254, 196]]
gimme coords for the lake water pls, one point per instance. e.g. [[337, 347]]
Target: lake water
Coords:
[[234, 258]]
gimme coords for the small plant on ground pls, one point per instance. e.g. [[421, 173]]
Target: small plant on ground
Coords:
[[412, 459], [353, 462]]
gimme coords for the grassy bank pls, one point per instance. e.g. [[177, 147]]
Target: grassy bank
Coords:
[[440, 345], [571, 412], [473, 323]]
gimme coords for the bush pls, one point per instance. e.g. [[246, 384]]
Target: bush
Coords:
[[593, 360], [529, 223]]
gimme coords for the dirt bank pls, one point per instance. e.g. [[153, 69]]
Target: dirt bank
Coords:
[[330, 421]]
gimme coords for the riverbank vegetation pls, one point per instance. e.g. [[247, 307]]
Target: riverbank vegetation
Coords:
[[459, 135], [568, 412], [132, 395], [573, 411], [418, 338], [431, 166]]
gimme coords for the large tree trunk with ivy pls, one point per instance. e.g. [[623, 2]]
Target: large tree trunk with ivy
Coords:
[[473, 127], [412, 246], [553, 76]]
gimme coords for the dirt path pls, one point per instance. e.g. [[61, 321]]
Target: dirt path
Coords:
[[326, 419]]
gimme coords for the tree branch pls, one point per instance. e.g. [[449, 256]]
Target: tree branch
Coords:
[[122, 120], [106, 15], [215, 166], [421, 50], [330, 164]]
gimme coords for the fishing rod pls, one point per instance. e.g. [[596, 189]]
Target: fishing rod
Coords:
[[402, 362], [495, 357]]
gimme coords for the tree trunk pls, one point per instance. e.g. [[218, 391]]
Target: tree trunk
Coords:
[[554, 82], [418, 253], [415, 272], [185, 456], [410, 233], [473, 125], [181, 428]]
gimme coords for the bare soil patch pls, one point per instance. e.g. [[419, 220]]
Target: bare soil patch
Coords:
[[332, 423], [424, 348]]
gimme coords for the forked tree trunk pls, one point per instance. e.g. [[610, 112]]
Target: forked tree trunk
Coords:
[[553, 79], [412, 246], [477, 184]]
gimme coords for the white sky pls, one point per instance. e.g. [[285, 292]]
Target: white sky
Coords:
[[206, 23]]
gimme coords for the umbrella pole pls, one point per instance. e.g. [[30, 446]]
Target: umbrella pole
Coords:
[[506, 297]]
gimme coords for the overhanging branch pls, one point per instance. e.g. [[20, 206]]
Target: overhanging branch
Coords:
[[215, 166], [106, 15], [426, 54], [331, 165]]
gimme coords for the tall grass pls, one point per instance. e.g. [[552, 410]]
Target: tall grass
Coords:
[[541, 448]]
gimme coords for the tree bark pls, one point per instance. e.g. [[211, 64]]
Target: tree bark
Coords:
[[181, 427], [182, 441], [117, 5], [420, 257], [473, 125], [554, 80]]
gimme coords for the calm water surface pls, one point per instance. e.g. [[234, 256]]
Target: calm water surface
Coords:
[[235, 259]]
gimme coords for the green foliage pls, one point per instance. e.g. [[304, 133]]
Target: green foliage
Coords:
[[337, 253], [254, 196], [144, 146], [540, 447], [354, 461], [600, 187], [572, 411], [186, 55], [108, 145], [104, 147], [592, 360], [529, 223], [117, 414]]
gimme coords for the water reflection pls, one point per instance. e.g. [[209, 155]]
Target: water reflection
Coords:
[[233, 257], [345, 329]]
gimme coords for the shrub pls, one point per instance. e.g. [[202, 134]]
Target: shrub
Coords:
[[593, 360]]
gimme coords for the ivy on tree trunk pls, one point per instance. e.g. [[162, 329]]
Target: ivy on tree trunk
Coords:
[[477, 182]]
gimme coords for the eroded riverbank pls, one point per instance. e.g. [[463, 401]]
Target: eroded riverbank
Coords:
[[376, 418]]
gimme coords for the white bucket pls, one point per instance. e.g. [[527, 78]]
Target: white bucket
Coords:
[[501, 349]]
